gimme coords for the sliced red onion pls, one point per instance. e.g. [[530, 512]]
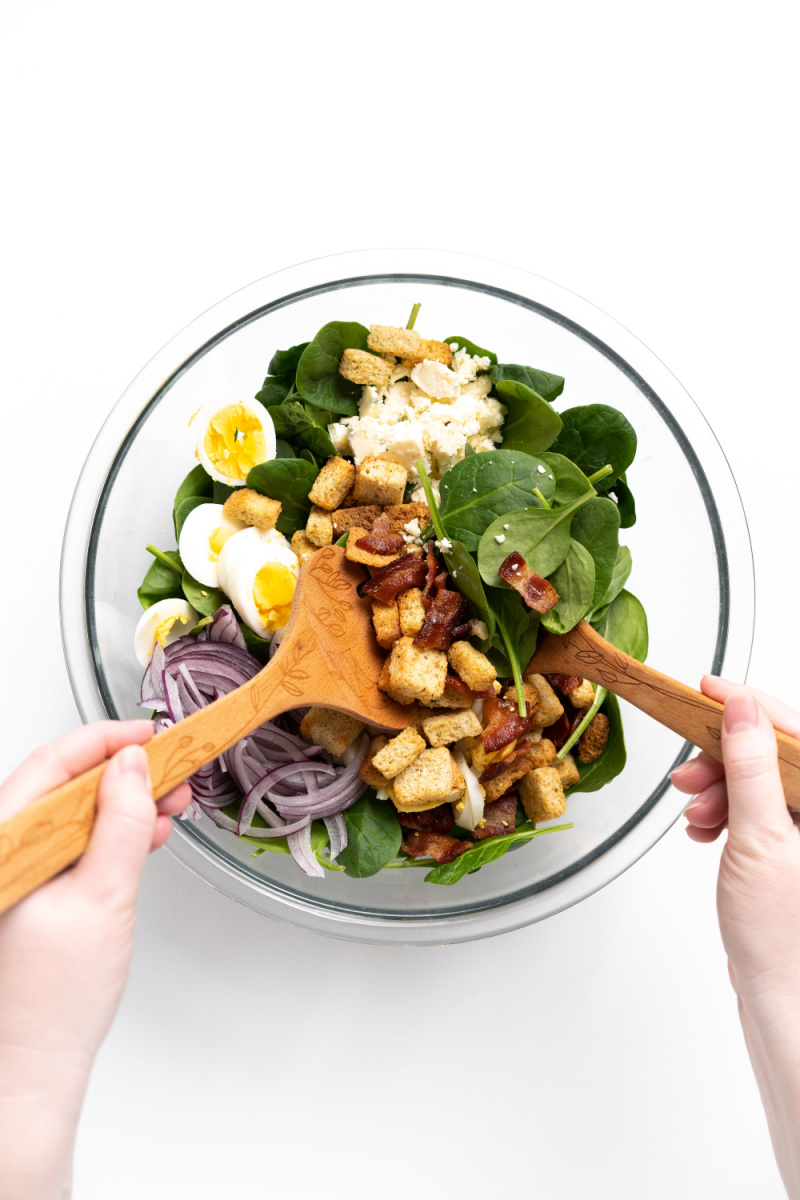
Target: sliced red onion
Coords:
[[337, 833], [303, 855]]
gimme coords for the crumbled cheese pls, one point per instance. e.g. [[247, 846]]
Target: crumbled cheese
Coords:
[[505, 527], [542, 470], [435, 379], [445, 545], [480, 629], [500, 538]]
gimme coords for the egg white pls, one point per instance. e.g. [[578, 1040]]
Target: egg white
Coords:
[[241, 544], [203, 420], [194, 544], [144, 638], [242, 576]]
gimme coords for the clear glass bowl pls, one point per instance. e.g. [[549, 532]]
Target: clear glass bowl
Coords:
[[692, 565]]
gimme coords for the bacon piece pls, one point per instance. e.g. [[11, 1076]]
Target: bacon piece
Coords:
[[565, 726], [563, 683], [433, 569], [406, 572], [435, 820], [444, 614], [496, 768], [499, 817], [462, 631], [381, 541], [440, 846], [455, 681], [535, 591], [504, 724]]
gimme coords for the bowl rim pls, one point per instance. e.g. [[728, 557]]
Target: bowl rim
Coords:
[[628, 354]]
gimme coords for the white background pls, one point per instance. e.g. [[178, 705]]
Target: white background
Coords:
[[160, 155]]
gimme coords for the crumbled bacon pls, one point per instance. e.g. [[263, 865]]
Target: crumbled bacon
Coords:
[[440, 846], [381, 541], [406, 572], [499, 817], [436, 820], [444, 614], [462, 631], [535, 591], [455, 681], [496, 768], [434, 568], [563, 683], [504, 724], [565, 726]]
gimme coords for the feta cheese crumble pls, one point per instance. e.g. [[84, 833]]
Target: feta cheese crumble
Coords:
[[500, 537]]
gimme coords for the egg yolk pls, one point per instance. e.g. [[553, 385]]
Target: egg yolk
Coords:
[[165, 628], [273, 591], [217, 540], [234, 441]]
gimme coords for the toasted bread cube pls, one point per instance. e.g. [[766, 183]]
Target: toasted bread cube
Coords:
[[581, 696], [432, 351], [542, 795], [380, 482], [391, 339], [250, 506], [550, 707], [472, 666], [594, 739], [368, 772], [531, 697], [355, 553], [568, 770], [401, 514], [399, 753], [332, 484], [458, 784], [386, 622], [426, 782], [502, 783], [542, 753], [332, 730], [451, 698], [360, 367], [303, 548], [319, 526], [363, 515], [412, 612], [385, 685], [450, 727], [416, 672]]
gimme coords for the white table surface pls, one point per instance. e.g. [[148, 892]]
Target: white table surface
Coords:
[[161, 155]]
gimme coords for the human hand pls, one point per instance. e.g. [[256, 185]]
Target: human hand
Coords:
[[65, 949]]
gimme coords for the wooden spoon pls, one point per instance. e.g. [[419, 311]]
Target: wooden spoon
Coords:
[[328, 656], [694, 716]]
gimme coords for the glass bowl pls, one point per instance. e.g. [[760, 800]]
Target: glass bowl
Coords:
[[691, 552]]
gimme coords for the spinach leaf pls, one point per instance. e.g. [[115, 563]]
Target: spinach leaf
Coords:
[[605, 768], [273, 391], [292, 421], [531, 424], [574, 582], [283, 449], [542, 382], [594, 435], [288, 480], [320, 416], [197, 483], [622, 495], [205, 599], [619, 576], [163, 578], [570, 481], [373, 836], [471, 348], [541, 535], [517, 626], [485, 852], [184, 508], [625, 625], [466, 577], [319, 836], [484, 486], [318, 378], [596, 526], [282, 371], [257, 646], [222, 491]]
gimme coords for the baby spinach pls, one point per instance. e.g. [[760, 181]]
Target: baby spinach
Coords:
[[548, 386], [574, 582], [531, 424], [319, 836], [597, 774], [471, 348], [283, 449], [163, 578], [293, 422], [288, 480], [205, 599], [540, 535], [596, 526], [184, 508], [619, 576], [222, 491], [569, 480], [485, 852], [197, 483], [622, 495], [595, 435], [258, 646], [282, 372], [624, 624], [318, 378], [484, 486], [373, 836], [517, 628]]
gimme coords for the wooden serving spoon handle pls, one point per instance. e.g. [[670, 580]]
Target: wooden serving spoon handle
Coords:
[[688, 712]]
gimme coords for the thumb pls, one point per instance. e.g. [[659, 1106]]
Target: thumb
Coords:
[[112, 865], [756, 802]]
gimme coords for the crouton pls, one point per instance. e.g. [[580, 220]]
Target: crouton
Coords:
[[386, 622], [412, 612], [541, 753], [319, 526], [458, 784], [360, 367], [401, 514], [430, 350], [581, 696], [503, 782], [251, 507], [399, 753], [390, 339], [542, 795], [364, 516], [303, 548], [428, 781], [568, 770], [332, 484], [531, 697], [450, 727], [451, 698], [358, 554], [594, 739], [416, 672], [550, 707], [349, 501], [385, 685], [380, 482], [368, 773], [332, 730], [472, 666]]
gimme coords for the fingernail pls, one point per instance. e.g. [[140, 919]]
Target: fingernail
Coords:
[[132, 760], [679, 771], [687, 812], [741, 714]]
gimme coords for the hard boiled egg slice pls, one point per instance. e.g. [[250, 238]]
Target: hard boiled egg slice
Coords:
[[233, 438], [163, 622], [239, 545], [205, 531], [261, 585]]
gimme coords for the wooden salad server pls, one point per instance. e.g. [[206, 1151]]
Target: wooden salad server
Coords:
[[328, 656], [694, 716]]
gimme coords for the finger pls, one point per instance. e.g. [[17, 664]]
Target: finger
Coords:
[[781, 716], [705, 835], [175, 801], [756, 803], [710, 808], [68, 756], [697, 774], [123, 830], [162, 830]]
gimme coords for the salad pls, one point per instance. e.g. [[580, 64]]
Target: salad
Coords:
[[480, 515]]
